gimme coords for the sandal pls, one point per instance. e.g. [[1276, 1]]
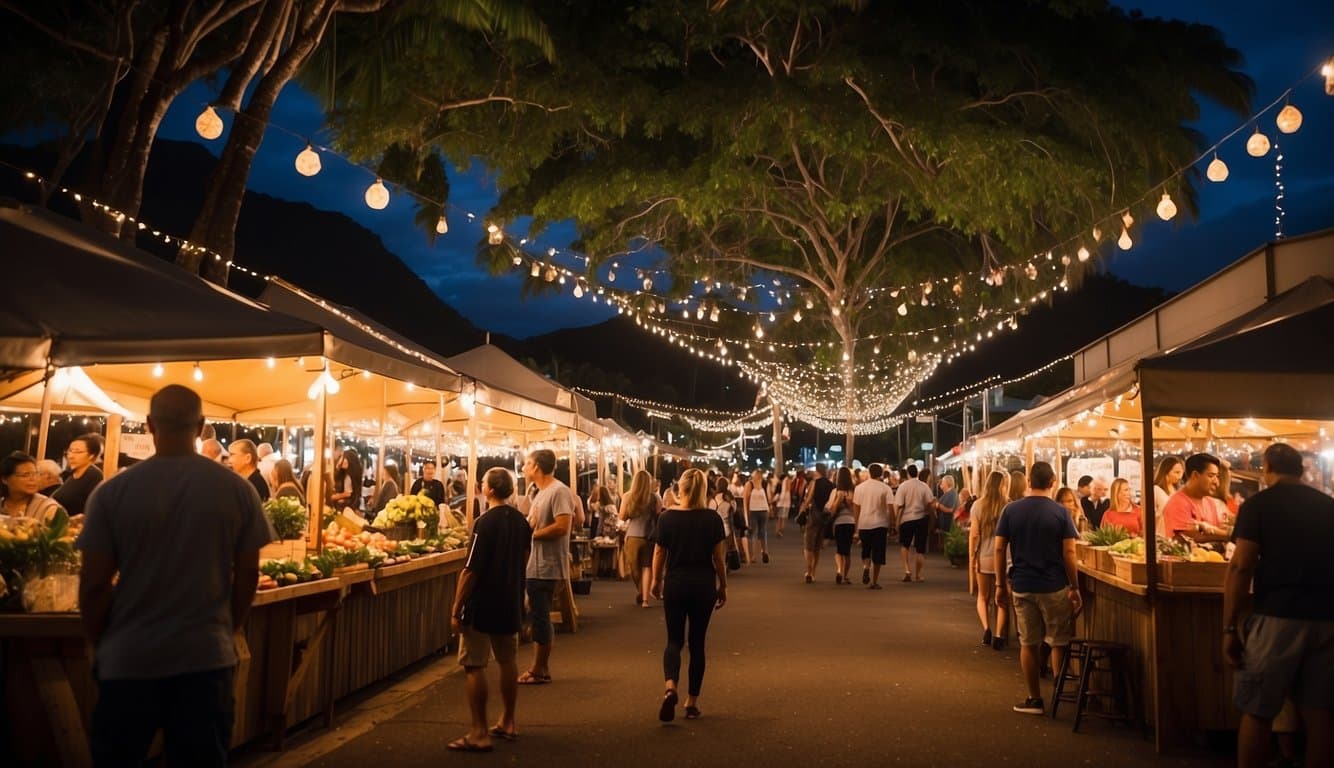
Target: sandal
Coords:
[[462, 744], [502, 734], [532, 678], [667, 712]]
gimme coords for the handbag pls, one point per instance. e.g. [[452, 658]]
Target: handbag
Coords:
[[733, 560]]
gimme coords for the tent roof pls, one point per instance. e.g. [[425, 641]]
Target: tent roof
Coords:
[[1275, 361], [360, 342], [119, 304], [509, 385]]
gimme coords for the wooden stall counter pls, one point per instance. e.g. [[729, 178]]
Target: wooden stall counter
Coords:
[[1175, 639]]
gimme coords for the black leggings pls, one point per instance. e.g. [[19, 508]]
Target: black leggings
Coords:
[[682, 601]]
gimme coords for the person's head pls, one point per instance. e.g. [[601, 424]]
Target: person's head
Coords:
[[1085, 485], [263, 449], [1120, 493], [244, 456], [1169, 473], [1223, 491], [1281, 462], [912, 470], [349, 463], [876, 471], [282, 473], [1018, 484], [821, 470], [641, 489], [1041, 478], [757, 477], [211, 449], [48, 473], [389, 472], [428, 471], [946, 484], [18, 474], [721, 488], [844, 481], [497, 484], [176, 418], [540, 466], [603, 495], [1066, 497], [1098, 491], [83, 451], [1202, 472], [692, 490], [997, 488]]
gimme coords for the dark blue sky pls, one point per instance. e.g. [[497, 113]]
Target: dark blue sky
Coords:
[[1282, 41]]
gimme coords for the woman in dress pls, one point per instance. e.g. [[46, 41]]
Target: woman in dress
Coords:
[[845, 523], [756, 500], [690, 577], [284, 482], [1123, 511], [18, 481], [638, 508], [985, 514]]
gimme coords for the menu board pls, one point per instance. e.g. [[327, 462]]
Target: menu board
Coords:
[[1093, 466]]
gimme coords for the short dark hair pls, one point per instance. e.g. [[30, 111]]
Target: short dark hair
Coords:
[[876, 471], [912, 470], [1283, 459], [10, 464], [1084, 480], [428, 462], [1041, 476], [92, 441], [1200, 462], [821, 469], [545, 459], [499, 481]]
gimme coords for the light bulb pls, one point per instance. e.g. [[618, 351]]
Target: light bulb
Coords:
[[551, 275], [1124, 241], [494, 234], [1217, 170], [796, 316], [158, 370], [903, 310], [518, 260], [578, 291], [1166, 208], [1097, 234], [208, 125], [1083, 253], [1289, 119], [611, 276], [835, 310], [308, 161], [714, 313], [535, 271], [1127, 219], [377, 195], [199, 373], [759, 331], [442, 226], [648, 283], [271, 362], [1258, 144]]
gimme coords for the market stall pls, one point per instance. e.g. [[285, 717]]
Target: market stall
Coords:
[[1243, 359]]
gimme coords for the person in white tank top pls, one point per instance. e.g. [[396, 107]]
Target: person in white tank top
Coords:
[[757, 514], [784, 504]]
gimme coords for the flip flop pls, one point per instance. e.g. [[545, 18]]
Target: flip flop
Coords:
[[502, 734], [462, 744], [667, 712], [532, 678]]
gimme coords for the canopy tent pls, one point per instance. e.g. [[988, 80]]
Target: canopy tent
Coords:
[[506, 384], [118, 304]]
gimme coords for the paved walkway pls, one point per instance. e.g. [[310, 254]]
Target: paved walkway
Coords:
[[800, 675]]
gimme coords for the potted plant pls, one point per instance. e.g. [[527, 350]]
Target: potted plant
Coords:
[[956, 546], [38, 564]]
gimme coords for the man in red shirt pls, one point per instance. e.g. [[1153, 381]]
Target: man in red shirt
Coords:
[[1184, 511]]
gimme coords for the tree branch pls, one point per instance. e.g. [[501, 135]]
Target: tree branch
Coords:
[[58, 35]]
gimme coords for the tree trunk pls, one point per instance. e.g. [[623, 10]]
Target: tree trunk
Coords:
[[849, 390], [778, 438], [128, 105]]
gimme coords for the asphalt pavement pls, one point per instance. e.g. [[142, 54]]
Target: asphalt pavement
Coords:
[[798, 674]]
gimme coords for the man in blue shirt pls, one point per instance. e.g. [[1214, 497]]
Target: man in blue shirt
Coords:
[[1038, 536]]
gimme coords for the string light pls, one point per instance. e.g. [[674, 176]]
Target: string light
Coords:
[[442, 225], [1258, 144], [1217, 170], [198, 373], [308, 161], [208, 125], [377, 195], [1278, 191], [1166, 208], [1289, 119]]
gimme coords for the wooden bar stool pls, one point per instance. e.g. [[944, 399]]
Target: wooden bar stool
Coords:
[[1068, 674], [1112, 660]]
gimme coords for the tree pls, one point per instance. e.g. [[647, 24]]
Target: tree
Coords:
[[869, 156]]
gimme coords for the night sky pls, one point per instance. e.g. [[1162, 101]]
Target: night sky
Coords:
[[1282, 41]]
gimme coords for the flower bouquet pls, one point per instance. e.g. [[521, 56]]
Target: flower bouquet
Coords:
[[409, 517]]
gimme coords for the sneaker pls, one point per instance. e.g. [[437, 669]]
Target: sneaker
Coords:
[[907, 577], [1030, 707], [986, 637], [866, 575]]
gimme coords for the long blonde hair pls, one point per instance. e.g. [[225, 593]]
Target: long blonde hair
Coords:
[[1116, 493], [692, 490], [987, 509], [636, 503]]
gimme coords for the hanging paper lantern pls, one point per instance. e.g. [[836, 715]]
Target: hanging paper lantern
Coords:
[[1289, 119], [441, 226], [1083, 253], [308, 161], [377, 195], [1217, 170], [208, 125], [1124, 241], [1166, 208], [1258, 144]]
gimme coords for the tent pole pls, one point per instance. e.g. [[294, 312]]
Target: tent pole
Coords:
[[111, 451], [315, 489], [439, 467], [620, 469], [471, 491], [384, 417], [44, 425], [1150, 511], [574, 464]]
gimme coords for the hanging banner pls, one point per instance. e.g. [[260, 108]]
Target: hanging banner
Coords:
[[137, 447], [1133, 472], [1093, 466]]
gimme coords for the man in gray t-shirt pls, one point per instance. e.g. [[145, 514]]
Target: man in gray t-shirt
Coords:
[[184, 534], [551, 517]]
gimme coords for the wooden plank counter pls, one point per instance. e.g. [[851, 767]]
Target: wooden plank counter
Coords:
[[304, 647], [1184, 687]]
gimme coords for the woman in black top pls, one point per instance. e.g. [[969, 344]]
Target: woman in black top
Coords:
[[690, 577], [347, 481]]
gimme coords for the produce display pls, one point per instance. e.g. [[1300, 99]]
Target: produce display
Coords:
[[407, 508], [288, 516], [1106, 536], [285, 573], [1169, 550]]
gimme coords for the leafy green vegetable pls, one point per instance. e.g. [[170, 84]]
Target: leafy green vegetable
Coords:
[[1106, 536], [288, 516]]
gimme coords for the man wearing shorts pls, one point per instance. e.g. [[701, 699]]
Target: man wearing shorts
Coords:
[[914, 500], [488, 608], [817, 496], [1287, 646], [1038, 536], [872, 500]]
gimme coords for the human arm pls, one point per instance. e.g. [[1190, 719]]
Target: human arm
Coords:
[[1072, 575], [95, 593], [719, 570], [245, 579], [467, 583], [1002, 581], [1240, 572], [659, 570]]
